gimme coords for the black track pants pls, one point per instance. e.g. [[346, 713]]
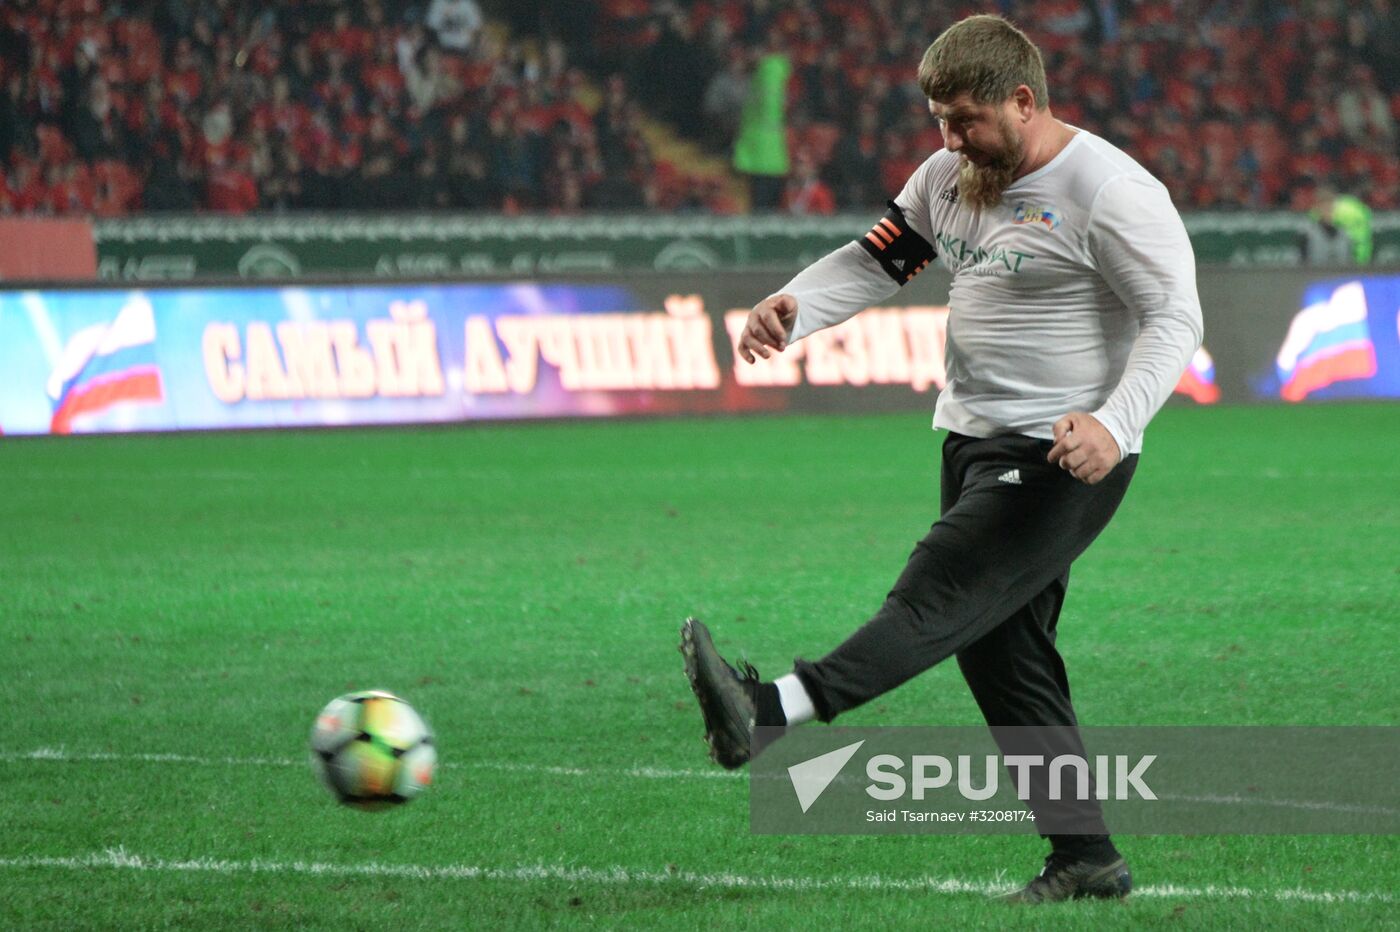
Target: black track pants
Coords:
[[985, 584]]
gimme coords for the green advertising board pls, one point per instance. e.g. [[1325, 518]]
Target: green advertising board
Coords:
[[418, 246]]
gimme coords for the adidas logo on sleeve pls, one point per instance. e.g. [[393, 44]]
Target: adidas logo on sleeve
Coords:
[[1010, 477]]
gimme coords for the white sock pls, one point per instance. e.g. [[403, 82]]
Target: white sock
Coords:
[[797, 705]]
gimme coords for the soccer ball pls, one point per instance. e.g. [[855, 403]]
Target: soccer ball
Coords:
[[372, 750]]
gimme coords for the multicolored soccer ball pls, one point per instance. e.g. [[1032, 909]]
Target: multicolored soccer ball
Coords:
[[372, 750]]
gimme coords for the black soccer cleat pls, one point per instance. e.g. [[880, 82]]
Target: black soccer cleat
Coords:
[[726, 695], [1064, 879]]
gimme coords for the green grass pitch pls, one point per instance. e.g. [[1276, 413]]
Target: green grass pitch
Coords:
[[175, 609]]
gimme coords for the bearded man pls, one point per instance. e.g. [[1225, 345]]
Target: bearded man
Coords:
[[1073, 315]]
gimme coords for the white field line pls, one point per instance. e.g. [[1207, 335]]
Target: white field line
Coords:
[[121, 859], [63, 755], [1282, 804]]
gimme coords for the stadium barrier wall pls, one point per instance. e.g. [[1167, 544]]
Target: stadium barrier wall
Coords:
[[46, 247], [417, 246], [188, 357]]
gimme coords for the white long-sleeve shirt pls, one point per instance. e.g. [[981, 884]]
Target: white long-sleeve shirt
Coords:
[[1076, 293]]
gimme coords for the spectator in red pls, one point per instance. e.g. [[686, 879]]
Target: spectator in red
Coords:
[[805, 192], [67, 189], [231, 188], [21, 188]]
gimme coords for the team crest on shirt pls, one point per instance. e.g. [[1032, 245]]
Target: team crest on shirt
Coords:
[[1025, 213]]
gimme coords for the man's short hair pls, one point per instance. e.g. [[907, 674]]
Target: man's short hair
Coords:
[[986, 57]]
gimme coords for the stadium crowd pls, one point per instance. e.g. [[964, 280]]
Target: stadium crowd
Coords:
[[235, 105], [110, 106], [1232, 103]]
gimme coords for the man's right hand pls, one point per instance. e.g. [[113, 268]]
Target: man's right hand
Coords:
[[768, 326]]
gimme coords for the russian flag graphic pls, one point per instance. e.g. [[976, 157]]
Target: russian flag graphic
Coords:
[[1198, 381], [1329, 341], [107, 365]]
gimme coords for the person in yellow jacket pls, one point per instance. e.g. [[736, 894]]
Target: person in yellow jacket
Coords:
[[1351, 216], [761, 150]]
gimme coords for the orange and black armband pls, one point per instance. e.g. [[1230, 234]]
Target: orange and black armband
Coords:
[[899, 249]]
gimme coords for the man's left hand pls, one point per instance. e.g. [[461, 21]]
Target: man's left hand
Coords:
[[1084, 448]]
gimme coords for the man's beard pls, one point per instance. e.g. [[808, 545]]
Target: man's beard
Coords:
[[982, 185]]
